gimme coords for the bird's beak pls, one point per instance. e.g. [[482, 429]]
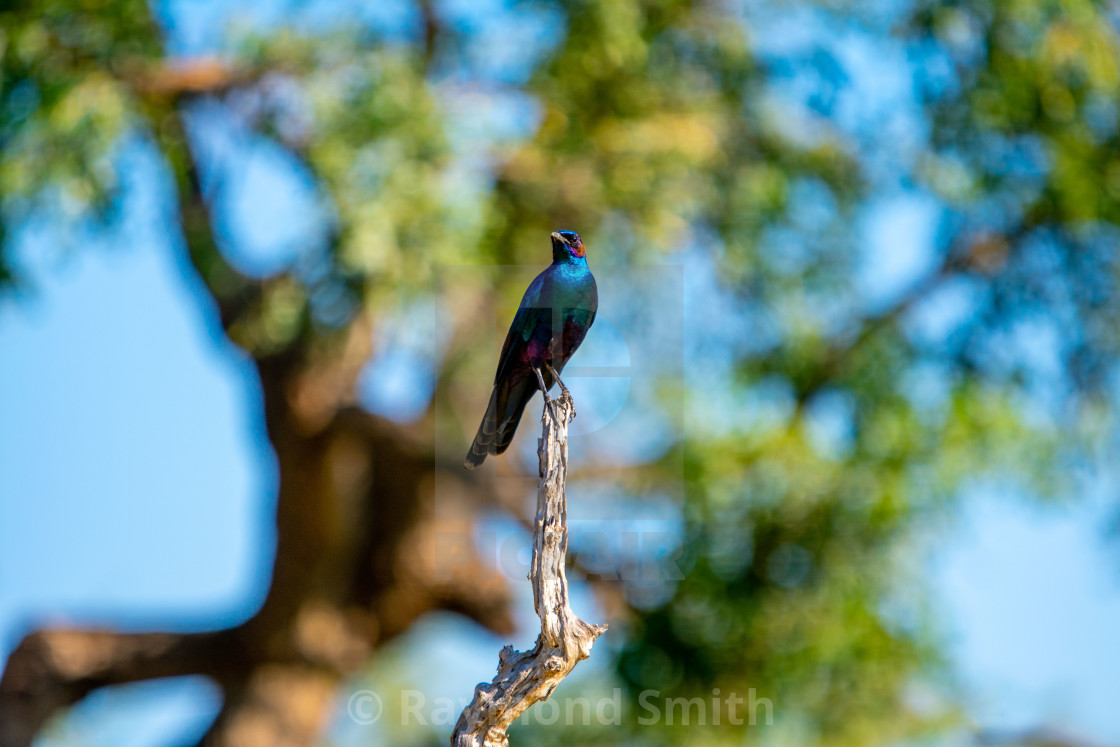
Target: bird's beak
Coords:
[[557, 237]]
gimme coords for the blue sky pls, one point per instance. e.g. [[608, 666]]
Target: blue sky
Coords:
[[136, 489], [1031, 595], [136, 484]]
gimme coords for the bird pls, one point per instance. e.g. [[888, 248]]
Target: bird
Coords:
[[553, 318]]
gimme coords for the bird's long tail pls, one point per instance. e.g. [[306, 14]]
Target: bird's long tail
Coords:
[[507, 403]]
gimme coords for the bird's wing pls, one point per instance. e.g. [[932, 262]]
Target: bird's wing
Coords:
[[531, 313]]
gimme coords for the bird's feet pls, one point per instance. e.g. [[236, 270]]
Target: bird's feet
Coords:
[[565, 395], [544, 392], [566, 399]]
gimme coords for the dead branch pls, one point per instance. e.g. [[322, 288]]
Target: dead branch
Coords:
[[526, 677]]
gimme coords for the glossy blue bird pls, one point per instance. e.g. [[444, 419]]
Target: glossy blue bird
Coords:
[[550, 324]]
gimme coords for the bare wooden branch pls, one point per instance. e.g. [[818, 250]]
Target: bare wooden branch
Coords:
[[526, 677]]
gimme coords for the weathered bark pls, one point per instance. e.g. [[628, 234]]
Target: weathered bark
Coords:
[[530, 676]]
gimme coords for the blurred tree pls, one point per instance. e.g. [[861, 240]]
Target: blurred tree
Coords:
[[668, 131]]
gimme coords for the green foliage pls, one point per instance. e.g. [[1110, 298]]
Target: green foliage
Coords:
[[64, 102]]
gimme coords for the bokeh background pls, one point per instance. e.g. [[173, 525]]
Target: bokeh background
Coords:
[[848, 418]]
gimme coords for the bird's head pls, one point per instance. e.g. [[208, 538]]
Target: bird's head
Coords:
[[565, 245]]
